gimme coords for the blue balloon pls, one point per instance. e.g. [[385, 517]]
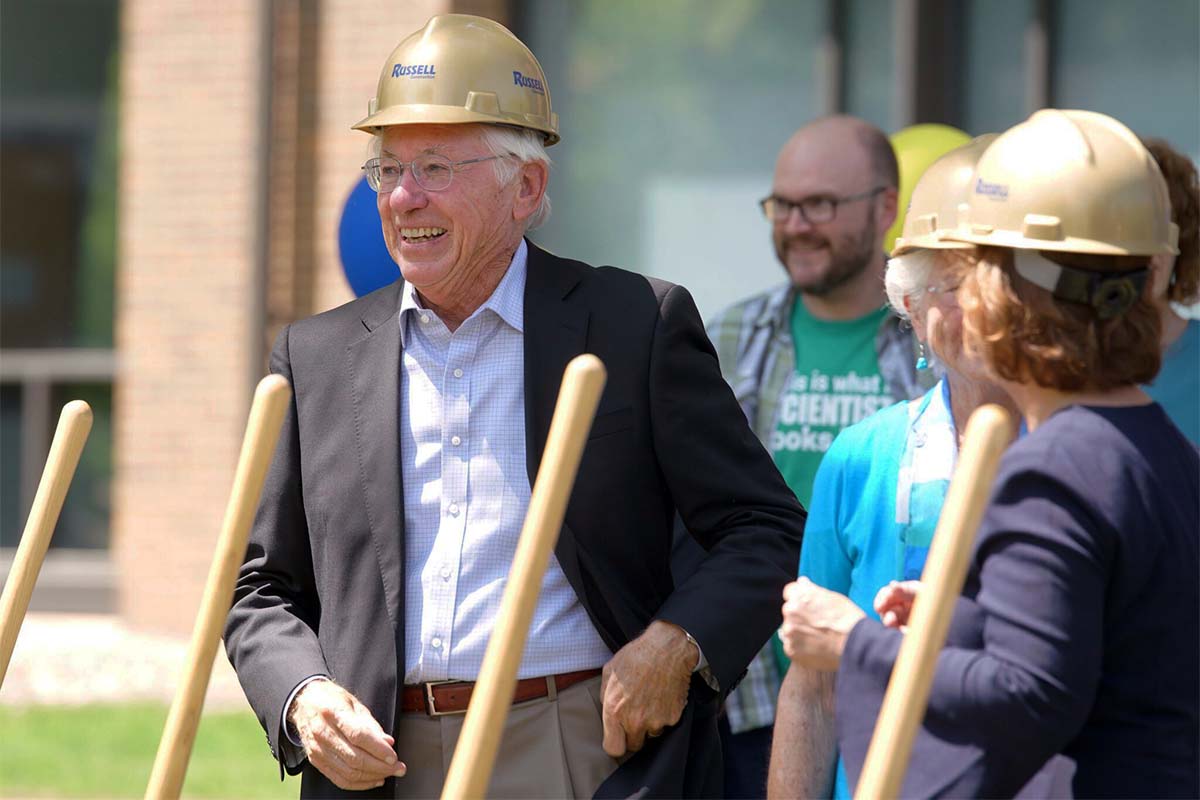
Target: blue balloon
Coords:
[[365, 258]]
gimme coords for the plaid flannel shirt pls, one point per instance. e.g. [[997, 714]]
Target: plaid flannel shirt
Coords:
[[753, 340]]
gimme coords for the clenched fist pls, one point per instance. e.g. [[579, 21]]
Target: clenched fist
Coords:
[[816, 623], [644, 687]]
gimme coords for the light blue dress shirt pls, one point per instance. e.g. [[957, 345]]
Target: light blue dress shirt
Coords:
[[466, 490]]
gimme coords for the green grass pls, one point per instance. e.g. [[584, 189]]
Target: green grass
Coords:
[[107, 751]]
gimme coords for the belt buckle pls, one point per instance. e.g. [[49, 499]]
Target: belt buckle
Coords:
[[430, 705]]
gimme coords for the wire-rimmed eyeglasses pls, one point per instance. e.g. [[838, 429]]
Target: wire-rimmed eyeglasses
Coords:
[[948, 286], [432, 172], [815, 210]]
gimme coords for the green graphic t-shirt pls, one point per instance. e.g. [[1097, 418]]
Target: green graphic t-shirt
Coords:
[[836, 384]]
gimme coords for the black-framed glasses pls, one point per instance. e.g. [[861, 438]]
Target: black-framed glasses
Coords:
[[432, 172], [815, 210]]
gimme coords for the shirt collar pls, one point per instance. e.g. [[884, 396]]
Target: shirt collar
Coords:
[[778, 308], [507, 301], [776, 313]]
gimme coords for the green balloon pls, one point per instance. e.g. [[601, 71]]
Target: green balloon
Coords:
[[918, 146]]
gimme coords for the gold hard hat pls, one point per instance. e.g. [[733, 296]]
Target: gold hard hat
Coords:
[[461, 68], [940, 198], [1069, 181]]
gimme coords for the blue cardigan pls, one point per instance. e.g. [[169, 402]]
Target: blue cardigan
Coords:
[[850, 537]]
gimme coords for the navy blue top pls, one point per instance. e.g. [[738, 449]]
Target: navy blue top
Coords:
[[1079, 627]]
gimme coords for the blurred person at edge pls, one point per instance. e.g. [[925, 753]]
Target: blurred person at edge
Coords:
[[1176, 283], [812, 356], [396, 497], [1078, 628]]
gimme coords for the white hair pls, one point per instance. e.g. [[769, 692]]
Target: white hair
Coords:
[[907, 276], [523, 144]]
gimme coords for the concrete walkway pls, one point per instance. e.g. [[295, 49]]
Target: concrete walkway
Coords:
[[72, 659]]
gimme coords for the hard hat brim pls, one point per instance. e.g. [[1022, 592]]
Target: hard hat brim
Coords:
[[936, 241], [426, 114], [1068, 244]]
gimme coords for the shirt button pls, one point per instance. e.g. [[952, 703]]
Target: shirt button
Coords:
[[455, 440], [453, 509], [436, 642], [458, 373], [446, 573], [424, 319]]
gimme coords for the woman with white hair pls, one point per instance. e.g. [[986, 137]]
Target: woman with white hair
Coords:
[[880, 487]]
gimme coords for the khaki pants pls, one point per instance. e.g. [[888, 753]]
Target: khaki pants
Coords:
[[551, 748]]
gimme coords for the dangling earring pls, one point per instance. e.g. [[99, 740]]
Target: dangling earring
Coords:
[[921, 362]]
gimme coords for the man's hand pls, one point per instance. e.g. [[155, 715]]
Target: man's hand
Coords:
[[645, 686], [341, 738], [816, 623]]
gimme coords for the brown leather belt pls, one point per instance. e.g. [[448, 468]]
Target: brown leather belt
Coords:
[[438, 698]]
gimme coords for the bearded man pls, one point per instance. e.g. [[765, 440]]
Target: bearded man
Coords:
[[814, 355]]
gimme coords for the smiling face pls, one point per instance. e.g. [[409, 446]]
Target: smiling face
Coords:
[[825, 160], [454, 244]]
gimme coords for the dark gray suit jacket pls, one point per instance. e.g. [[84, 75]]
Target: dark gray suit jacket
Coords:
[[322, 587]]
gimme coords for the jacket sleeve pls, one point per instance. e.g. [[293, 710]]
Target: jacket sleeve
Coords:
[[729, 495], [271, 630]]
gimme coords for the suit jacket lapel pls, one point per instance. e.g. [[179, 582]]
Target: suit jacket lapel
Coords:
[[375, 376], [555, 332]]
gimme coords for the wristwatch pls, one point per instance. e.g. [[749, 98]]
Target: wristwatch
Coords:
[[699, 653], [702, 665]]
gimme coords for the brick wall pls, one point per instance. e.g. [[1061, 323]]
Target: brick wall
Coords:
[[184, 312]]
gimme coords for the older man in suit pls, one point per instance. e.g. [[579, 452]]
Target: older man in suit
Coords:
[[398, 490]]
